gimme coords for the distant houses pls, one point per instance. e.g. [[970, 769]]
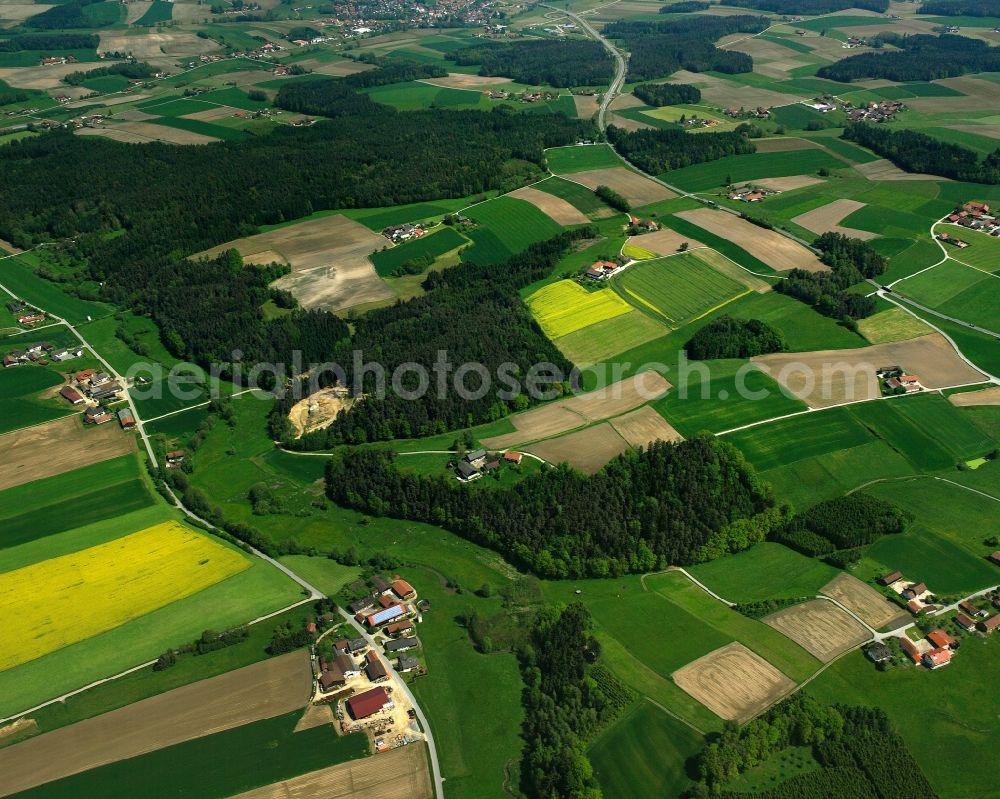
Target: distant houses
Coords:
[[751, 194], [399, 233], [954, 242], [603, 270], [32, 353]]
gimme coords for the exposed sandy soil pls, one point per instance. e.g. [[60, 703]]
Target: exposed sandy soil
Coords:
[[10, 248], [772, 248], [819, 627], [587, 450], [663, 242], [863, 600], [726, 93], [264, 690], [114, 100], [319, 410], [558, 417], [315, 716], [789, 183], [972, 399], [456, 80], [157, 46], [830, 377], [784, 144], [18, 727], [329, 260], [398, 774], [882, 169], [827, 218], [37, 77], [643, 426], [211, 114], [148, 131], [136, 9], [58, 446], [638, 190], [733, 682], [586, 106], [554, 207], [336, 69]]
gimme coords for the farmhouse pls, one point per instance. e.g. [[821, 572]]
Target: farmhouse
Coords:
[[890, 578], [30, 318], [877, 652], [331, 679], [380, 617], [96, 415], [108, 392], [910, 648], [602, 270], [401, 645], [406, 663], [352, 647], [401, 628], [403, 589], [359, 605], [995, 557], [948, 239], [14, 358], [937, 658], [71, 394], [175, 458], [965, 622], [644, 225], [971, 609], [751, 194], [941, 639], [512, 457], [374, 668], [345, 663], [67, 354], [381, 585], [366, 704], [467, 472], [386, 601], [991, 624], [397, 233]]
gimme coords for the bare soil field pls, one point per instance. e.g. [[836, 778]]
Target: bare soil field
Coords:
[[559, 417], [18, 12], [190, 12], [328, 257], [789, 183], [992, 130], [733, 682], [586, 106], [760, 49], [905, 27], [136, 9], [553, 207], [784, 144], [587, 450], [150, 131], [8, 247], [456, 80], [635, 188], [629, 124], [726, 93], [211, 114], [264, 690], [315, 716], [829, 377], [827, 218], [720, 263], [864, 601], [56, 447], [663, 242], [981, 95], [974, 399], [337, 69], [819, 627], [37, 77], [772, 248], [643, 426], [397, 774], [882, 169], [157, 46], [622, 101], [319, 410], [114, 134]]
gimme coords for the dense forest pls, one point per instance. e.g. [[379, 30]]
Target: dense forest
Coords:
[[914, 151], [660, 48], [685, 7], [484, 297], [174, 201], [67, 16], [133, 70], [49, 41], [394, 71], [657, 151], [847, 522], [660, 94], [669, 504], [726, 337], [566, 701], [922, 57], [571, 62], [807, 7], [860, 753], [962, 8], [850, 261]]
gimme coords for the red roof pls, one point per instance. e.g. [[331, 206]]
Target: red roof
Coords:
[[940, 639], [366, 704], [964, 621], [513, 457], [992, 622], [937, 657], [402, 589], [968, 608], [909, 648], [70, 393]]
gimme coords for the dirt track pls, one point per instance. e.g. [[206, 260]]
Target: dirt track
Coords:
[[27, 455], [263, 690], [398, 774], [819, 627], [732, 682], [865, 601]]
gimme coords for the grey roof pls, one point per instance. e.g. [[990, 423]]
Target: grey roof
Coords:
[[466, 470], [475, 455], [406, 663], [380, 583], [402, 644], [361, 604]]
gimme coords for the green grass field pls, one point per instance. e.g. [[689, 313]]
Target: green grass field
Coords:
[[958, 291], [603, 340], [160, 11], [236, 600], [676, 289], [566, 307], [565, 160], [580, 197], [765, 571], [20, 278], [204, 128], [215, 766], [643, 754], [20, 404], [101, 334], [234, 97], [512, 224], [713, 174], [432, 246], [802, 327]]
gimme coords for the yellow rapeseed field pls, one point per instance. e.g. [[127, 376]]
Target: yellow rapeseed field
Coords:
[[73, 597], [566, 306]]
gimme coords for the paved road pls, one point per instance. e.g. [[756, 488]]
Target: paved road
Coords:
[[401, 684], [939, 315]]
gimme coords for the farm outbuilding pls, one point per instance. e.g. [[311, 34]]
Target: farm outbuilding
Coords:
[[366, 704]]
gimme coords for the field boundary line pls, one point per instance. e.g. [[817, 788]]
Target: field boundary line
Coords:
[[691, 577]]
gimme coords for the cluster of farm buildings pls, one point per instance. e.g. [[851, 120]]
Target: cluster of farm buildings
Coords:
[[751, 194], [94, 388], [24, 314], [881, 111], [974, 216], [398, 233], [479, 462], [896, 381], [40, 352]]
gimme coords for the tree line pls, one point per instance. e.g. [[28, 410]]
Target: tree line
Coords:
[[393, 71], [659, 48], [669, 504], [660, 94], [133, 70], [962, 8], [914, 151], [851, 261], [571, 62], [726, 337], [685, 7], [656, 151], [847, 522], [49, 41], [921, 58]]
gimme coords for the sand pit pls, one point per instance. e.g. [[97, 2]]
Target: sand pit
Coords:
[[638, 190], [554, 207], [663, 242], [587, 450], [397, 774], [733, 682], [775, 250], [564, 415], [643, 426], [27, 454], [865, 602], [819, 627], [830, 377], [329, 260], [789, 183], [148, 131], [319, 410], [723, 93], [882, 169], [784, 144], [261, 691], [976, 399], [827, 217]]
